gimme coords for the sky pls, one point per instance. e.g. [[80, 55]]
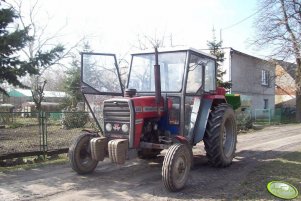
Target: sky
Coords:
[[113, 26]]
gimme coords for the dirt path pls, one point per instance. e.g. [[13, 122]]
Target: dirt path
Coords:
[[141, 180]]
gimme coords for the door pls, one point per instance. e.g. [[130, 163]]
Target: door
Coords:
[[100, 74], [100, 80]]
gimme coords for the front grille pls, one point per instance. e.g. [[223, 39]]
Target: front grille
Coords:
[[116, 111], [117, 118]]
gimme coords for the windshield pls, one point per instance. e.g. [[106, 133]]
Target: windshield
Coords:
[[171, 68]]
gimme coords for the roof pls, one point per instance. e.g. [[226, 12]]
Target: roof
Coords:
[[7, 105], [27, 93], [174, 49], [231, 50], [43, 103], [245, 54], [289, 67]]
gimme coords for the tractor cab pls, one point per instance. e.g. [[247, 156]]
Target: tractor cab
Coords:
[[185, 76]]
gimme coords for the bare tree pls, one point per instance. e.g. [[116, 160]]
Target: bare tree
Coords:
[[43, 51], [38, 94], [278, 28], [157, 40]]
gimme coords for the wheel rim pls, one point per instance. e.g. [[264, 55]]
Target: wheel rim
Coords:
[[228, 138], [224, 136], [85, 155], [180, 169]]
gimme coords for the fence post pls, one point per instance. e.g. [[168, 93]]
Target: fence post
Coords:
[[40, 129], [270, 116], [43, 133]]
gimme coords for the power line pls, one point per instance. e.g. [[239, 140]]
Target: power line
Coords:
[[244, 19]]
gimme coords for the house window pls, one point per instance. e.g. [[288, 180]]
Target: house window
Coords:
[[265, 77], [266, 103]]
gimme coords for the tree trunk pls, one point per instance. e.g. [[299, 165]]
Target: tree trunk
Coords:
[[296, 49], [298, 108], [298, 90]]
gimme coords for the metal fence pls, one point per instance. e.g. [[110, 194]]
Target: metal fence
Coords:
[[32, 133], [278, 115]]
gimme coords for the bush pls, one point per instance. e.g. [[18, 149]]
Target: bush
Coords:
[[244, 120], [15, 125], [75, 119]]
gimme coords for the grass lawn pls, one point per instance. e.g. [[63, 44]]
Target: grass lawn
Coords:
[[36, 163], [286, 168]]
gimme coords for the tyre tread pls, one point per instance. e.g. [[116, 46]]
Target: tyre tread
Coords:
[[73, 158], [212, 136], [168, 162]]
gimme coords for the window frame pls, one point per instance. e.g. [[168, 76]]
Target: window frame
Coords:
[[265, 103], [265, 77], [203, 73]]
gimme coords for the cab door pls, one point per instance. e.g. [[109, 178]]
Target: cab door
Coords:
[[100, 74], [100, 80]]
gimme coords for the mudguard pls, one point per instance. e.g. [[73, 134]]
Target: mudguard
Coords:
[[201, 121], [182, 139]]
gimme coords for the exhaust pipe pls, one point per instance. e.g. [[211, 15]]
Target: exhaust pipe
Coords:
[[157, 78]]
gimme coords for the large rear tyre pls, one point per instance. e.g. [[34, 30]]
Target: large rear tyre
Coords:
[[176, 167], [221, 136], [80, 155]]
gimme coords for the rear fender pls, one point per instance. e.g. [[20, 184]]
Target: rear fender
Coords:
[[181, 139], [201, 122]]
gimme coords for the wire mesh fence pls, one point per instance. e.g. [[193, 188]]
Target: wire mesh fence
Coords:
[[278, 115], [62, 127], [258, 118], [35, 132], [19, 133]]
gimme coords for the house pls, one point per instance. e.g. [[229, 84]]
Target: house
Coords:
[[17, 97], [285, 92], [251, 77]]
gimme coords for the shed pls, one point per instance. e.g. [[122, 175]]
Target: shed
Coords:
[[19, 96]]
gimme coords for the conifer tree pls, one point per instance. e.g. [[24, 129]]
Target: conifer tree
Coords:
[[12, 40], [216, 50]]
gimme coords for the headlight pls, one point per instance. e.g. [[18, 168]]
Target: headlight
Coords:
[[125, 128], [109, 127]]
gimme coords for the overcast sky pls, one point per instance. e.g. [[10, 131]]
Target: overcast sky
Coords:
[[114, 25]]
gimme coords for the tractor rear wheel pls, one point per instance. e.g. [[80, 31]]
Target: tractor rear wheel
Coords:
[[176, 167], [80, 155], [221, 136]]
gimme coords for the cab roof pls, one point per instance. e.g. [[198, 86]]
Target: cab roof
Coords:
[[174, 49]]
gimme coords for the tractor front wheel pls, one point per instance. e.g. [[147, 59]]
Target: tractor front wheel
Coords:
[[221, 136], [80, 155], [176, 167]]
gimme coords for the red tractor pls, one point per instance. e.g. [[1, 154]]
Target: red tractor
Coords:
[[170, 102]]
